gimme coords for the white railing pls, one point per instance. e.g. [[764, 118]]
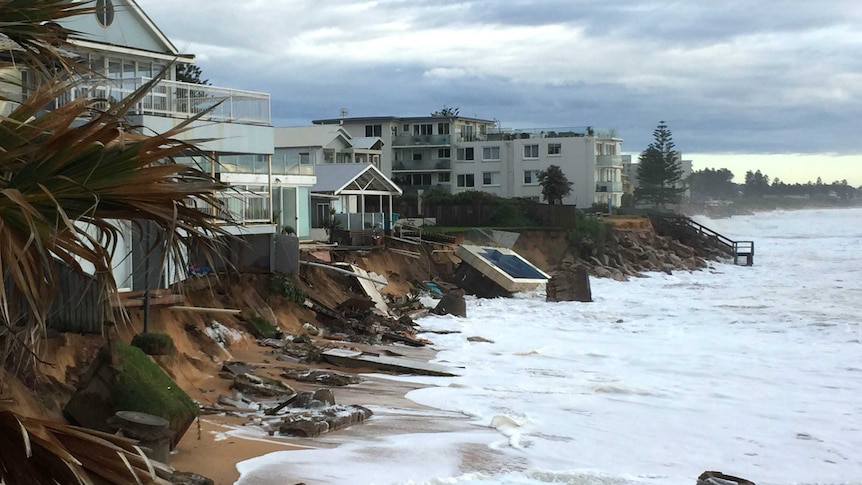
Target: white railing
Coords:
[[181, 100], [238, 207]]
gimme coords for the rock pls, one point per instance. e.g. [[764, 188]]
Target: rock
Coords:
[[318, 399], [718, 478], [479, 339], [452, 303], [314, 423], [261, 386]]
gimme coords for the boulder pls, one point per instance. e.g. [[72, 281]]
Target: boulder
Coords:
[[318, 399]]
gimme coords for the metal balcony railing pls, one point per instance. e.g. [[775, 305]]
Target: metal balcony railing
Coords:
[[421, 165], [427, 140], [238, 207], [180, 100]]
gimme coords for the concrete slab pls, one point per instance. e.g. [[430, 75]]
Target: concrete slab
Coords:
[[351, 358]]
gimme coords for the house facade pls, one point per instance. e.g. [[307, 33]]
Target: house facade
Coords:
[[124, 50]]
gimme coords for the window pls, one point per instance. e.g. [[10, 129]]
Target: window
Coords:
[[465, 154], [531, 177], [555, 149], [442, 128], [105, 12], [531, 151], [444, 153], [490, 153], [491, 178], [373, 130], [423, 129], [466, 180], [444, 177], [417, 156], [405, 129], [420, 179], [467, 133]]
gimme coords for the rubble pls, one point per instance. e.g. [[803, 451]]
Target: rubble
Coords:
[[320, 376]]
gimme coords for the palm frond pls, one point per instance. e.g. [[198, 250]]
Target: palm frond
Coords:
[[37, 452], [66, 176], [31, 36]]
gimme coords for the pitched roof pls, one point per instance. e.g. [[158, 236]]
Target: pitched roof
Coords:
[[308, 136], [352, 178], [367, 142]]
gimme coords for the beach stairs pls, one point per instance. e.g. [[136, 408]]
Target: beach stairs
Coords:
[[694, 234]]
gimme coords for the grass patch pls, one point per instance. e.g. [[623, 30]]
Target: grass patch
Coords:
[[154, 343], [141, 385]]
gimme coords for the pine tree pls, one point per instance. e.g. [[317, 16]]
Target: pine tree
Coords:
[[659, 170], [554, 184]]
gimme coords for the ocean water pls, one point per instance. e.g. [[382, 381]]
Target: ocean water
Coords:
[[754, 371]]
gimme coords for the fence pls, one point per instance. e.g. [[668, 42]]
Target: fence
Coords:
[[509, 213]]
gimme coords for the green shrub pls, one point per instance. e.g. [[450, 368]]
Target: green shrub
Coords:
[[263, 328], [587, 231], [154, 343], [281, 284]]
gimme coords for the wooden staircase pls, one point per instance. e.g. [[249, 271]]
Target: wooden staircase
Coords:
[[693, 233]]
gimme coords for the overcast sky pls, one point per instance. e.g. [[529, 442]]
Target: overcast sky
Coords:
[[751, 77]]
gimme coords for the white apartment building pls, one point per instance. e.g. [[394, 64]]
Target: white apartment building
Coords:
[[456, 154]]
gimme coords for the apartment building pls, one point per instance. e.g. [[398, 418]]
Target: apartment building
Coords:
[[455, 154], [417, 151]]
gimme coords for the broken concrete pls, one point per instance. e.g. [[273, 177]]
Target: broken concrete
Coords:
[[718, 478], [350, 358], [569, 283], [320, 376], [452, 303], [314, 423]]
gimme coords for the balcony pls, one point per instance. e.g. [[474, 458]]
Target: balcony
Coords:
[[239, 206], [443, 165], [180, 100], [413, 189], [541, 133], [421, 140], [609, 161], [609, 186]]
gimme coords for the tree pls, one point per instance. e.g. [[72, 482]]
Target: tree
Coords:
[[446, 112], [190, 73], [554, 184], [756, 184], [709, 183], [659, 170]]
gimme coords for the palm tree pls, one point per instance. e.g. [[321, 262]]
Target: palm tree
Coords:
[[68, 175]]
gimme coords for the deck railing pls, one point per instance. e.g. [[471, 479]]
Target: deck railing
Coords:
[[180, 100]]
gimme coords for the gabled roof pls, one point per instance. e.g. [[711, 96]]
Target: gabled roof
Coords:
[[131, 32], [352, 178], [367, 142], [309, 136]]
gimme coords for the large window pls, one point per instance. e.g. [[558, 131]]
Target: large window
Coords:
[[417, 156], [466, 180], [555, 149], [444, 177], [444, 153], [490, 153], [419, 179], [491, 178], [531, 177], [465, 154], [373, 130], [423, 129], [531, 151], [442, 128]]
